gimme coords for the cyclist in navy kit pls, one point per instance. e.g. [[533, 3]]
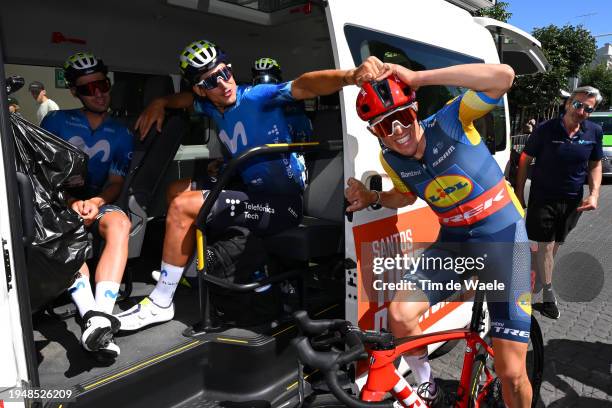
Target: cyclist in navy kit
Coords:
[[109, 146], [247, 116]]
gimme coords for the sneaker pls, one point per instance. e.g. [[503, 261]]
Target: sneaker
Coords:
[[185, 281], [98, 329], [550, 310], [144, 314], [432, 394]]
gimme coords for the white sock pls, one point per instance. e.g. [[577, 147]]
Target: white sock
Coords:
[[420, 368], [82, 296], [106, 295], [166, 285]]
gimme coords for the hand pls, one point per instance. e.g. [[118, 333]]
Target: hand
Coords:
[[153, 114], [589, 204], [87, 209], [369, 70], [358, 195]]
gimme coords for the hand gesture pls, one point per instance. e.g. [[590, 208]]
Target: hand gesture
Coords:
[[357, 195]]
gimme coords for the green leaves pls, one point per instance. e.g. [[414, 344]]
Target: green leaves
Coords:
[[498, 11], [601, 78]]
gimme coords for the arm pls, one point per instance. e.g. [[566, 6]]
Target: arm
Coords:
[[491, 79], [521, 177], [317, 83], [155, 112], [595, 170], [360, 197]]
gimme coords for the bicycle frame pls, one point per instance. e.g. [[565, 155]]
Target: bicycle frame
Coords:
[[383, 377]]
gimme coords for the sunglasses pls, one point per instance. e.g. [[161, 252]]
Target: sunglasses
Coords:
[[212, 81], [265, 79], [90, 88], [404, 115], [588, 109]]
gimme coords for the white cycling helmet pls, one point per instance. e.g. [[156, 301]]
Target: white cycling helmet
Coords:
[[198, 57], [82, 63]]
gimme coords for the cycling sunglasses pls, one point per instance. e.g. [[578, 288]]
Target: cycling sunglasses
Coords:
[[212, 81], [588, 109], [404, 115], [89, 89]]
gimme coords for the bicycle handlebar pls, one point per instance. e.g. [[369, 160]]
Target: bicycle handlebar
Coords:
[[329, 362]]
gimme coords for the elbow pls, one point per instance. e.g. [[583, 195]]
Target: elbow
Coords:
[[506, 77]]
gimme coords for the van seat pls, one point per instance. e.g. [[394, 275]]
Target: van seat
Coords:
[[321, 232]]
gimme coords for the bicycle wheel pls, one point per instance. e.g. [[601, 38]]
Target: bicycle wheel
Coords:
[[485, 387]]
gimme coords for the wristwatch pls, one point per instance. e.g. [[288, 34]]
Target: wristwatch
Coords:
[[376, 205]]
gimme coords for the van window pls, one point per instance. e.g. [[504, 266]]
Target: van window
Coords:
[[418, 56]]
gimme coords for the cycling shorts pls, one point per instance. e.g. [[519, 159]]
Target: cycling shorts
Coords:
[[501, 258], [262, 213]]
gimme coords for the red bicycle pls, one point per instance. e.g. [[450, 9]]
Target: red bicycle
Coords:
[[478, 385]]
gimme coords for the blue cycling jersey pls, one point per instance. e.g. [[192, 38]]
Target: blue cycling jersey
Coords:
[[300, 126], [109, 146], [258, 118]]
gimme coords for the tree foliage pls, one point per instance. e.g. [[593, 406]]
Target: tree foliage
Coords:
[[568, 49], [601, 78], [498, 12]]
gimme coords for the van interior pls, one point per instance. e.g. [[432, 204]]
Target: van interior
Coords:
[[249, 360]]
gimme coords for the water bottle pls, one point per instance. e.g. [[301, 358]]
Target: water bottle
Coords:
[[259, 275]]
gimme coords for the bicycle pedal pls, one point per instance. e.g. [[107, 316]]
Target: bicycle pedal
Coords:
[[436, 400]]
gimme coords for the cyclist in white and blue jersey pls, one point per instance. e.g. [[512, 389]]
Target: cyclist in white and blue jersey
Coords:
[[109, 146], [247, 116]]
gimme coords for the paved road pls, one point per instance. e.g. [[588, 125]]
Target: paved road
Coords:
[[578, 346]]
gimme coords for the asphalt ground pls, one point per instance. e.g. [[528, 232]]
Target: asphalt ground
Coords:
[[577, 346]]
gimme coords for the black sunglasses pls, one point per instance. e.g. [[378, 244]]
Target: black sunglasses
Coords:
[[588, 109], [89, 89], [212, 81]]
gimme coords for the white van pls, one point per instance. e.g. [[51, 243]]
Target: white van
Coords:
[[171, 365]]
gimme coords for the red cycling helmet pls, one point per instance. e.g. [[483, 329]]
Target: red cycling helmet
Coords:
[[379, 97]]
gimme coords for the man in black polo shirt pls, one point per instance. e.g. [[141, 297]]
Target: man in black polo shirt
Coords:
[[568, 149]]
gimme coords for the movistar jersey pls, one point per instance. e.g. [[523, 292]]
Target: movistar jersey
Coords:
[[457, 175], [109, 146], [258, 118]]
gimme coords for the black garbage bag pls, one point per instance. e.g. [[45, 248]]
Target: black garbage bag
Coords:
[[60, 243]]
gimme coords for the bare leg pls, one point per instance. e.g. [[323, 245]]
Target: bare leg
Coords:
[[545, 260], [115, 230], [179, 240], [510, 357], [176, 188]]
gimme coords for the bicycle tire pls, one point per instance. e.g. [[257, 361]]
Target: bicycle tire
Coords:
[[535, 367]]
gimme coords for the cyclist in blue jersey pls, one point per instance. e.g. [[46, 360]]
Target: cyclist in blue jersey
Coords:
[[247, 116], [443, 161], [109, 146]]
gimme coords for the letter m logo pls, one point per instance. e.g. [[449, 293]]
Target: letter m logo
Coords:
[[239, 133]]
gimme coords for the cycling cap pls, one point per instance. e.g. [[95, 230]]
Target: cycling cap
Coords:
[[266, 70], [200, 56], [379, 97], [82, 63]]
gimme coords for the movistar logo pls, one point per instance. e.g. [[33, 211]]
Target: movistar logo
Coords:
[[101, 146], [110, 294], [78, 286]]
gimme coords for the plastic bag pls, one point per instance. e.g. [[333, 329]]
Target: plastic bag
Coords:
[[60, 242]]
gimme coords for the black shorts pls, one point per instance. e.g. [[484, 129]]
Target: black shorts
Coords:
[[262, 213], [551, 220]]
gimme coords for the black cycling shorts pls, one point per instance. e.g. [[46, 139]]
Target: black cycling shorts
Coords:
[[262, 213], [551, 220]]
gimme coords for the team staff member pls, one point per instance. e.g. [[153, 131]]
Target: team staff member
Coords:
[[568, 150], [247, 116], [109, 146], [443, 160]]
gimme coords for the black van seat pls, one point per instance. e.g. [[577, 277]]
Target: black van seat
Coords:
[[321, 232]]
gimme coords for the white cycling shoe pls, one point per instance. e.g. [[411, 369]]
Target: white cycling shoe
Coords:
[[144, 314]]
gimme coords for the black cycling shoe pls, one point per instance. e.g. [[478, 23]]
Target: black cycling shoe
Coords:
[[98, 329], [550, 310]]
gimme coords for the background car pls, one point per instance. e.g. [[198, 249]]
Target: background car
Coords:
[[604, 119]]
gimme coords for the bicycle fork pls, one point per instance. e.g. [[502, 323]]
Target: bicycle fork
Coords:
[[387, 378]]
